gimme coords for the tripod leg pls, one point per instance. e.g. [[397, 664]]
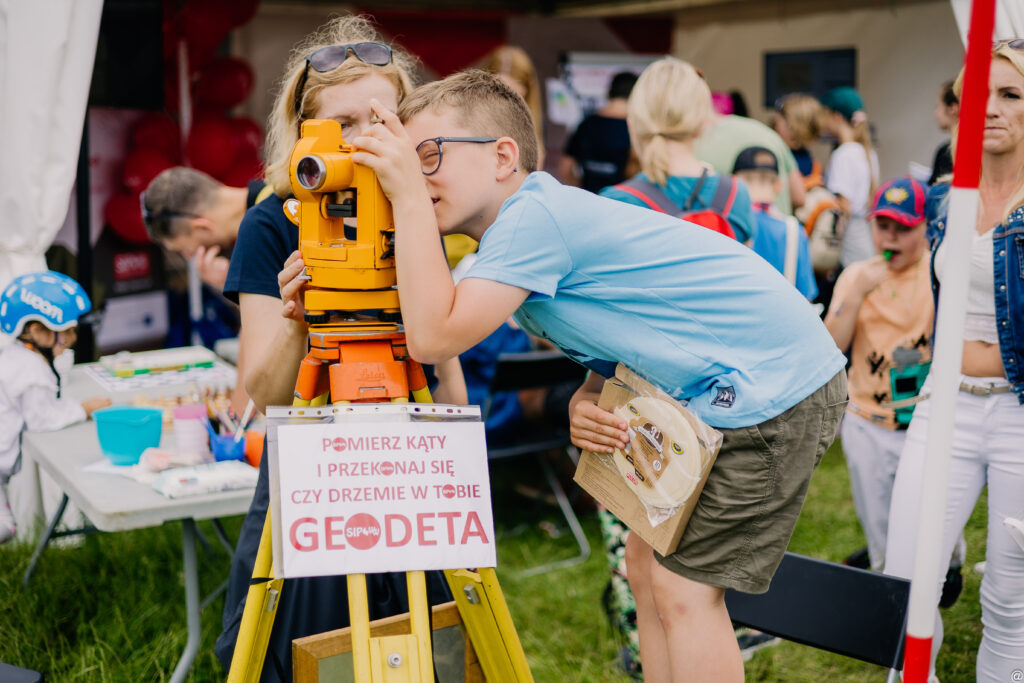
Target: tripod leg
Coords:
[[359, 620], [419, 616], [258, 616]]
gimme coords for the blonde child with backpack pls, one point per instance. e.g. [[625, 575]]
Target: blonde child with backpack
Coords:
[[667, 111]]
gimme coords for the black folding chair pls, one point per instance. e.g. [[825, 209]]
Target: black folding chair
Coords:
[[849, 611], [536, 370]]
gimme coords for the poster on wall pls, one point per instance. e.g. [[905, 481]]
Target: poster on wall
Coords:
[[582, 85]]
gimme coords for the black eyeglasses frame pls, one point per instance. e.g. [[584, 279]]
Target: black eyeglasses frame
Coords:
[[150, 216], [440, 148]]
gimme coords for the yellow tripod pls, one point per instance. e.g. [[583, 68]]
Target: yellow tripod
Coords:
[[361, 358]]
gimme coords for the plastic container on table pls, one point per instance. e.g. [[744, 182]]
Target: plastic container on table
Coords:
[[125, 431], [190, 436]]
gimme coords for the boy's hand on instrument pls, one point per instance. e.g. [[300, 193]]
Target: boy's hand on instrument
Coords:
[[91, 405], [212, 268], [596, 429], [292, 285], [387, 149]]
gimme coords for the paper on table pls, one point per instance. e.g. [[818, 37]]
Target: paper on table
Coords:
[[143, 475]]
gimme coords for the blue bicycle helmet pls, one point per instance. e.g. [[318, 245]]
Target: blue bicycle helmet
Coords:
[[53, 299]]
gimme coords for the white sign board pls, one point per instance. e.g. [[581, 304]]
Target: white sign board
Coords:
[[367, 497]]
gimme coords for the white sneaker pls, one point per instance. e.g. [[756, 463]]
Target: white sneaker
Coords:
[[979, 567]]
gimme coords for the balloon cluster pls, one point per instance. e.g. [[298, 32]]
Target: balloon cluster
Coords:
[[224, 146]]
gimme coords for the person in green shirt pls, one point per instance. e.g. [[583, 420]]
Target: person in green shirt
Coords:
[[727, 136]]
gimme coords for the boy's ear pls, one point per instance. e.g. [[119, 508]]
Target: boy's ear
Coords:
[[202, 228], [508, 158]]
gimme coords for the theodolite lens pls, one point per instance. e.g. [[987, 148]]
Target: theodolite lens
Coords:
[[311, 172]]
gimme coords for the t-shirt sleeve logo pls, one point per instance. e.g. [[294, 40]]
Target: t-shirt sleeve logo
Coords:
[[725, 397]]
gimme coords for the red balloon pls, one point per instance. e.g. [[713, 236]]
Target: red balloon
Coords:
[[123, 215], [212, 146], [158, 131], [205, 26], [246, 167], [242, 11], [224, 83], [247, 131], [141, 166]]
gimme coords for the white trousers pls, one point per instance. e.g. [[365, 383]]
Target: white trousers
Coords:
[[872, 454], [987, 450]]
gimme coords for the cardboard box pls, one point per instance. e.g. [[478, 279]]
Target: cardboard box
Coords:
[[599, 477]]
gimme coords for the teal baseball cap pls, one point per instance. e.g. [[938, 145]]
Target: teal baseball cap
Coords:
[[845, 100]]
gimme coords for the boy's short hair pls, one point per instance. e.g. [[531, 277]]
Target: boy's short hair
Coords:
[[485, 106], [178, 192]]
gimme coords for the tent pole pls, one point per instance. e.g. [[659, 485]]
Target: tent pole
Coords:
[[85, 348]]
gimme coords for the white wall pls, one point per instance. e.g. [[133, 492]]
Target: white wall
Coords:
[[903, 55]]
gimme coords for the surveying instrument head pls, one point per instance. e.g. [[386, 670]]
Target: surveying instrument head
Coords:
[[348, 273]]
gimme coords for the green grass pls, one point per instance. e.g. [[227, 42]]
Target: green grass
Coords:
[[112, 609]]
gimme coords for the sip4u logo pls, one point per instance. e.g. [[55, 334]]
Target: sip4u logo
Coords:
[[339, 444]]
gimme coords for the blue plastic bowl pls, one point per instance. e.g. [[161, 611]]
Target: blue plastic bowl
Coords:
[[125, 431]]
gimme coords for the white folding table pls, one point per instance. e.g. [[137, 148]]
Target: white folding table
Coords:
[[116, 503]]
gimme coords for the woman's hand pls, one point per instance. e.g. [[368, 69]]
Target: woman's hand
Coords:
[[596, 429], [292, 284]]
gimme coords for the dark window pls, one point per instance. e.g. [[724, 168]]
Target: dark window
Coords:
[[814, 71]]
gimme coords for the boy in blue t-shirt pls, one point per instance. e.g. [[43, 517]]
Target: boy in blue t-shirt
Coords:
[[780, 239], [703, 317]]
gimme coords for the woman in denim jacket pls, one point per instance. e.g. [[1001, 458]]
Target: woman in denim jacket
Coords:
[[988, 433]]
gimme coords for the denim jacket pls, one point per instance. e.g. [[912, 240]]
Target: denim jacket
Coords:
[[1008, 271]]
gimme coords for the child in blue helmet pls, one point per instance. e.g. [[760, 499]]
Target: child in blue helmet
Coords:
[[41, 311]]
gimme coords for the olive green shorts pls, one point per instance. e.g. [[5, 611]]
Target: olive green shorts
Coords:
[[746, 514]]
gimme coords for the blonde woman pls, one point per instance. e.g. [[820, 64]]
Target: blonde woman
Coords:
[[666, 112], [798, 122], [852, 173], [988, 427], [512, 65], [333, 73]]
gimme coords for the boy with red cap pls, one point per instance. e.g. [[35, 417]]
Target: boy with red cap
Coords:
[[881, 316]]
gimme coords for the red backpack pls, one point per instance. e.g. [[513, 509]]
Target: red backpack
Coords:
[[712, 217]]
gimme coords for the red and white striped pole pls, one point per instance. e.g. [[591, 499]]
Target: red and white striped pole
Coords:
[[949, 342]]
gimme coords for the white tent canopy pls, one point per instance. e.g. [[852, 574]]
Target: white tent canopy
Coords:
[[47, 50], [1009, 18]]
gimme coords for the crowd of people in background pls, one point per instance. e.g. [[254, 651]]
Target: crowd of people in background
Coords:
[[671, 144], [664, 141]]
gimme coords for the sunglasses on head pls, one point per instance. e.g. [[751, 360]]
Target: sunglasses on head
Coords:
[[1013, 44], [329, 58], [150, 216]]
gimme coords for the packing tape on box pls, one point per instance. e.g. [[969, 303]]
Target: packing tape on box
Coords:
[[664, 461]]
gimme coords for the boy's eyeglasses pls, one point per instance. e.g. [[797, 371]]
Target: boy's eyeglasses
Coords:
[[329, 58], [150, 216], [431, 151]]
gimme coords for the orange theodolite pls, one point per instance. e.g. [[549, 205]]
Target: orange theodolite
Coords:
[[357, 353]]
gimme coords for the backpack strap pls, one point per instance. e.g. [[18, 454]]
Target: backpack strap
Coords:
[[695, 192], [725, 195], [650, 194], [792, 245]]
